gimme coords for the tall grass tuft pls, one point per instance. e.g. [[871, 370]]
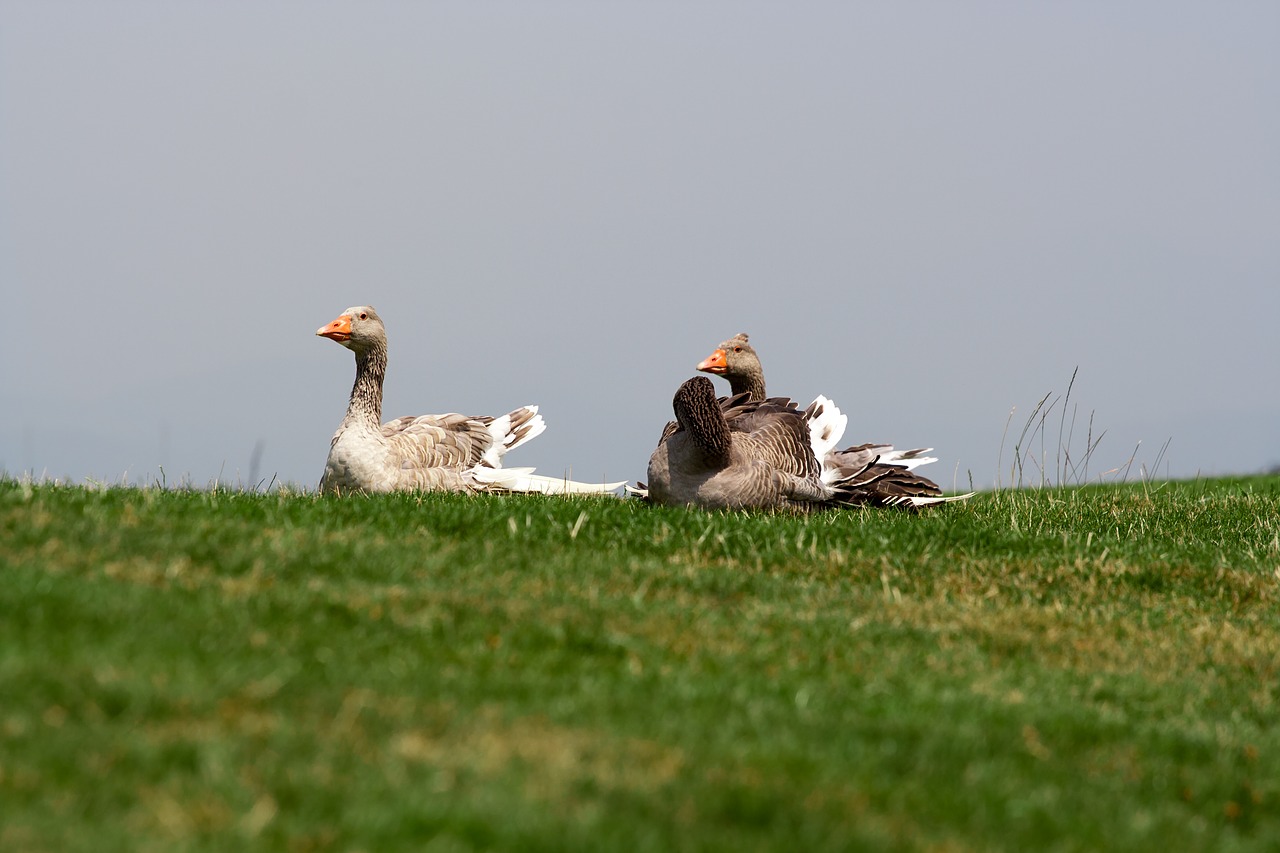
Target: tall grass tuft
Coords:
[[1031, 465]]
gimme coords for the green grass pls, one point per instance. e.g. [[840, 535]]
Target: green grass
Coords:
[[1071, 669]]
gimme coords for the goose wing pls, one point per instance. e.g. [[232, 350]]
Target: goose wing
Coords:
[[438, 441], [778, 436], [459, 441]]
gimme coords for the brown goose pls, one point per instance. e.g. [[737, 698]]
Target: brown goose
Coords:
[[737, 361], [736, 453], [451, 452]]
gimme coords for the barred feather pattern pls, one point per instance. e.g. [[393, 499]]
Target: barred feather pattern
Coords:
[[735, 453]]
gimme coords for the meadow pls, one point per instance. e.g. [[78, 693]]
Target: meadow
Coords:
[[1084, 668]]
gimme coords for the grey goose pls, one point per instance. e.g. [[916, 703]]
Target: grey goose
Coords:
[[737, 453], [737, 361]]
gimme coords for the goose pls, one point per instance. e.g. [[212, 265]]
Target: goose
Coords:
[[738, 453], [450, 452], [737, 361]]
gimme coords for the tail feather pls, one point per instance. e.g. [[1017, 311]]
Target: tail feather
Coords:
[[927, 500], [826, 425], [909, 459], [524, 480], [877, 484], [510, 431]]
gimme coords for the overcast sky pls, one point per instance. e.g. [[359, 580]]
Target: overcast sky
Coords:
[[931, 212]]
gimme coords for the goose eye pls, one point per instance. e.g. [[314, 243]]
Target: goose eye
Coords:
[[737, 349], [364, 316]]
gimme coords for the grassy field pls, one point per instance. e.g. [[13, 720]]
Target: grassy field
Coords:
[[1067, 669]]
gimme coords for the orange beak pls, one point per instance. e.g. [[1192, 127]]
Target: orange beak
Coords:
[[715, 363], [339, 330]]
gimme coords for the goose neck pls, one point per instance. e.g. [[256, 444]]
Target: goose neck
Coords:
[[750, 382], [706, 426], [365, 405]]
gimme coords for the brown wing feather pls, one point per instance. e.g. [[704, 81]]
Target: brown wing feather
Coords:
[[738, 410], [779, 437], [875, 484], [438, 441]]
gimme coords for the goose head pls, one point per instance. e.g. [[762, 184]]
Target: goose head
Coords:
[[359, 329], [736, 360]]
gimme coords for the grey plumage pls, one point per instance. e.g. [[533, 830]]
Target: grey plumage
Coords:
[[737, 453], [886, 476]]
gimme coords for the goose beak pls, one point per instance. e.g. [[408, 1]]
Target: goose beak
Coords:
[[339, 330], [715, 363]]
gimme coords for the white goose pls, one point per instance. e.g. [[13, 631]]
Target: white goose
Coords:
[[450, 452]]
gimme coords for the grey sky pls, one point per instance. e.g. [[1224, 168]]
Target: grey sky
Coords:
[[931, 212]]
